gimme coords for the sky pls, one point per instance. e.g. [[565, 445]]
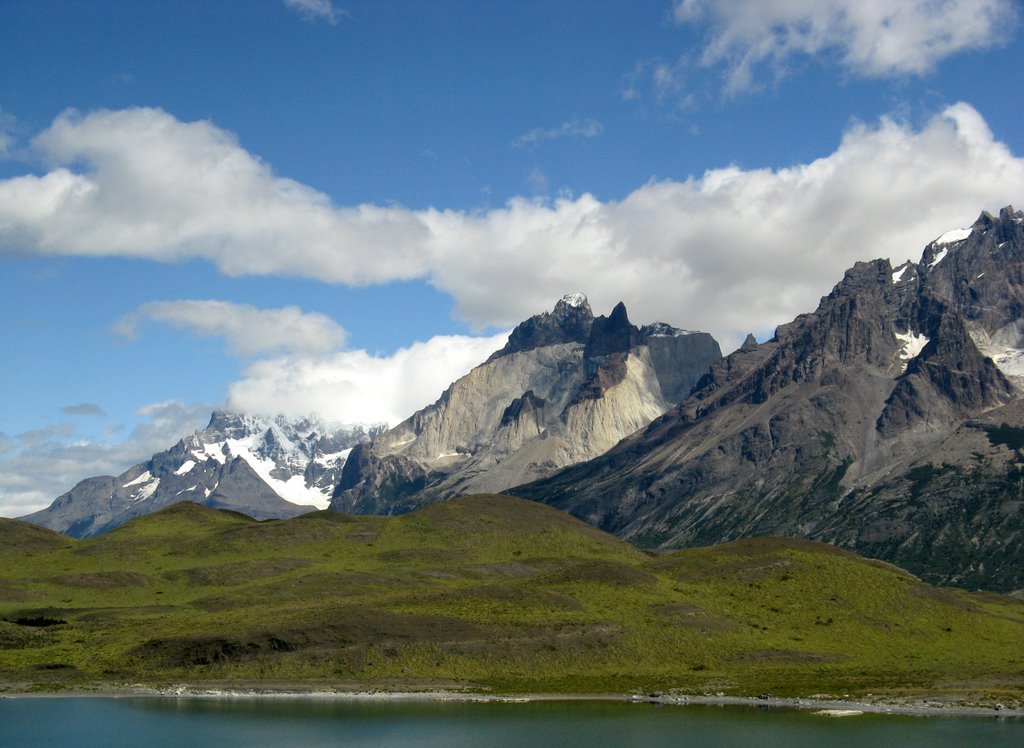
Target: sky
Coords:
[[338, 207]]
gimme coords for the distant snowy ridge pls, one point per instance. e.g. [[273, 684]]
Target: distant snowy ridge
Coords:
[[266, 467], [300, 459]]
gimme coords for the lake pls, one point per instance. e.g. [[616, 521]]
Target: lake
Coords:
[[154, 722]]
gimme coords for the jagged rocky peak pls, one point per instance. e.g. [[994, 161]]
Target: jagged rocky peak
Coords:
[[749, 343], [979, 272], [282, 437], [612, 334], [577, 300], [228, 425], [566, 387], [569, 322], [988, 236]]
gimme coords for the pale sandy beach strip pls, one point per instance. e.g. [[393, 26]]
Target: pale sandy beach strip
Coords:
[[822, 707]]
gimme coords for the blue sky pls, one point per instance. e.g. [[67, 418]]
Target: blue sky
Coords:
[[339, 207]]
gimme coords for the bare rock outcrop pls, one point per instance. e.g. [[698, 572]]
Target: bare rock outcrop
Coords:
[[566, 387]]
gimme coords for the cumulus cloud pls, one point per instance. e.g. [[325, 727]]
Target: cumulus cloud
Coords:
[[317, 10], [139, 183], [871, 38], [728, 251], [355, 386], [38, 466], [574, 128], [247, 330]]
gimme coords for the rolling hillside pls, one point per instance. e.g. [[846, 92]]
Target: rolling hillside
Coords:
[[485, 592]]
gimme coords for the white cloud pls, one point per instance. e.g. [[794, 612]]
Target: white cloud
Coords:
[[38, 466], [729, 251], [872, 38], [574, 128], [247, 330], [151, 186], [317, 10], [355, 386]]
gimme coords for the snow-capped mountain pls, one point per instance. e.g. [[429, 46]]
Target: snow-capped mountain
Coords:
[[301, 460], [261, 466]]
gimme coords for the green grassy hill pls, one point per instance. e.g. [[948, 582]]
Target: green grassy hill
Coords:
[[484, 592]]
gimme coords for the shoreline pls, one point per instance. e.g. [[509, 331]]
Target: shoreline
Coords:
[[922, 707]]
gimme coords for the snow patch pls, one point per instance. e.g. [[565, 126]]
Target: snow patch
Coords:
[[939, 257], [912, 346], [186, 466], [951, 237], [676, 333], [146, 491], [332, 459], [216, 451], [146, 476], [575, 299], [294, 489], [900, 273]]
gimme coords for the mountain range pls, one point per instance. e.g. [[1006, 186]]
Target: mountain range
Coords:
[[264, 467], [566, 387], [889, 421]]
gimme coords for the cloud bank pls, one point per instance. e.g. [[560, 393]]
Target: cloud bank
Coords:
[[870, 38], [355, 386], [729, 251], [37, 466]]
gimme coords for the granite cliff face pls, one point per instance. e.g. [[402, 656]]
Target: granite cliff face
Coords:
[[263, 467], [566, 387], [888, 421]]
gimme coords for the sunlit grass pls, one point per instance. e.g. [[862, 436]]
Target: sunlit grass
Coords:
[[484, 592]]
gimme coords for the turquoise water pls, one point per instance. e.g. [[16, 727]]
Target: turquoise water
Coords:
[[304, 722]]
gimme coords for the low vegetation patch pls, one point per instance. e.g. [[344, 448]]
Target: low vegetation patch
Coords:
[[489, 593]]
